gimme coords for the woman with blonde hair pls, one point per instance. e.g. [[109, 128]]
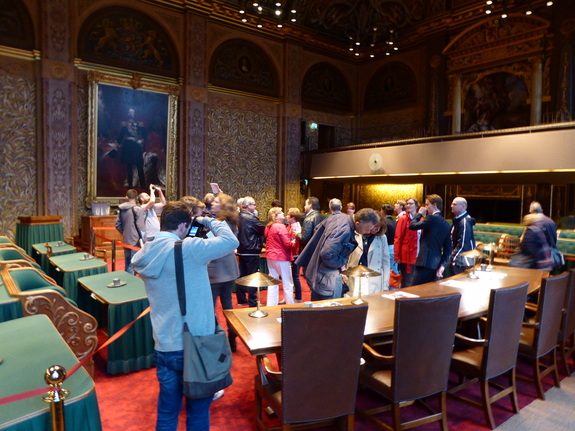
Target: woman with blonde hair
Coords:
[[224, 270], [278, 255]]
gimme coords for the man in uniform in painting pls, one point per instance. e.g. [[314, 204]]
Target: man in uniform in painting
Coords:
[[132, 141]]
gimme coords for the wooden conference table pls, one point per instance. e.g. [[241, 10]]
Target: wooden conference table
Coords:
[[263, 335], [29, 346]]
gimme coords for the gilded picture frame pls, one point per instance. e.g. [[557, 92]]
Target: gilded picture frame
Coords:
[[132, 136]]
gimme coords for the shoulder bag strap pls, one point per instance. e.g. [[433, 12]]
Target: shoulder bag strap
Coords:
[[135, 217], [179, 259]]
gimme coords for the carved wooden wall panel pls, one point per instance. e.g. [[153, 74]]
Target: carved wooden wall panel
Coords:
[[241, 153], [18, 193]]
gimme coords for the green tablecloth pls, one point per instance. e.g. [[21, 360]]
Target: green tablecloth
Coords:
[[28, 234], [68, 268], [134, 350], [39, 252], [10, 307], [29, 346]]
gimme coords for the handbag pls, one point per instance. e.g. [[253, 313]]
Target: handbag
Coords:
[[207, 358], [557, 258]]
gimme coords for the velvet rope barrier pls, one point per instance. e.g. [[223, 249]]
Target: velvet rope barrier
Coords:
[[132, 247], [40, 391]]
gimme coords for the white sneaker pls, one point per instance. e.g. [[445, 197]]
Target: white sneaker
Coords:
[[218, 395]]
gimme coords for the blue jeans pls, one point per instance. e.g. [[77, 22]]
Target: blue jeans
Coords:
[[169, 370], [128, 253]]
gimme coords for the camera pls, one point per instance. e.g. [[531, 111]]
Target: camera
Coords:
[[198, 230]]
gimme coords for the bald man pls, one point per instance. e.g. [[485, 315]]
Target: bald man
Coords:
[[462, 238]]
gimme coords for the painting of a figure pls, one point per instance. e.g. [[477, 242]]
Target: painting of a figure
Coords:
[[497, 101], [132, 134]]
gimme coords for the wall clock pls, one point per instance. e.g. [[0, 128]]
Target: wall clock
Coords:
[[375, 161]]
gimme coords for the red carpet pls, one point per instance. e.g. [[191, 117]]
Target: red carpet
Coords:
[[128, 402]]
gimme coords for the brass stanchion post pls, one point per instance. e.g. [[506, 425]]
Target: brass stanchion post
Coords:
[[113, 255], [54, 376]]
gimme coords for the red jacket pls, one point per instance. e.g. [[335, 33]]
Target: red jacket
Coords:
[[278, 242], [405, 241]]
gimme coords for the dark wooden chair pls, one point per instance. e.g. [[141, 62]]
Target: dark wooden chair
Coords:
[[418, 367], [566, 340], [539, 338], [494, 355], [320, 362]]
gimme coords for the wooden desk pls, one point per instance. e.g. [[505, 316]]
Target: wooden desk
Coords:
[[29, 346], [263, 335], [58, 248], [34, 229], [88, 222], [134, 350], [68, 268]]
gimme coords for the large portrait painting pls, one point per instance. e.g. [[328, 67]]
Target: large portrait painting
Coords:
[[132, 136]]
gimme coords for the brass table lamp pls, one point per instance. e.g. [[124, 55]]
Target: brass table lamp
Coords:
[[360, 271], [258, 279]]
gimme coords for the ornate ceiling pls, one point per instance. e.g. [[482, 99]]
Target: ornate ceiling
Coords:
[[359, 26]]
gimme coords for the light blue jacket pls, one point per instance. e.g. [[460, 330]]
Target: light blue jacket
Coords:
[[155, 265]]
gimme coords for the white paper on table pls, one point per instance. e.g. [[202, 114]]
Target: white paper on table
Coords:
[[399, 294], [486, 275]]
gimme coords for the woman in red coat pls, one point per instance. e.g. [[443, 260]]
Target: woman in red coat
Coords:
[[279, 256], [406, 243]]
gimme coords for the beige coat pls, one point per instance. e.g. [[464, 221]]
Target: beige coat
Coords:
[[377, 259]]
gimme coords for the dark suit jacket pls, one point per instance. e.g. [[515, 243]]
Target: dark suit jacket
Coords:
[[435, 242]]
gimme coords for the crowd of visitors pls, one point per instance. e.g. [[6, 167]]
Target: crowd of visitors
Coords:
[[405, 243]]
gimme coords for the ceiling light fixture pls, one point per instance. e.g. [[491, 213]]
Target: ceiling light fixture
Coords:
[[269, 10], [505, 7]]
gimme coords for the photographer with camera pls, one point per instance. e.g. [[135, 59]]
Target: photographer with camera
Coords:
[[151, 208]]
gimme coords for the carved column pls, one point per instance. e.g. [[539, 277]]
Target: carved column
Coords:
[[456, 109], [292, 113], [193, 177], [536, 91], [57, 189]]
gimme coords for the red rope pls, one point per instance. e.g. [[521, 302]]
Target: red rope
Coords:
[[132, 247]]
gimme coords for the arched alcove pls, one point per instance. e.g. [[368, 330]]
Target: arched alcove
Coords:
[[127, 38], [16, 28], [391, 85], [324, 86], [238, 64]]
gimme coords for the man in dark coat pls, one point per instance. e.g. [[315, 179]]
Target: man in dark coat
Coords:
[[435, 242], [325, 255], [462, 238]]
